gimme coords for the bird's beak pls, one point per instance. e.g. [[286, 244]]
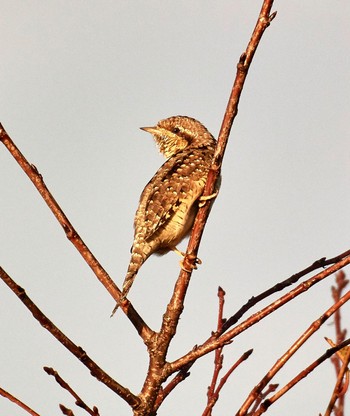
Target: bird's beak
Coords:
[[152, 130]]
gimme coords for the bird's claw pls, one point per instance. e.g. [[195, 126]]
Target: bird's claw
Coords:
[[190, 259], [190, 262]]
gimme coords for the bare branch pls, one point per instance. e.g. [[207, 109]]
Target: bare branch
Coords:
[[213, 395], [218, 361], [271, 388], [214, 388], [338, 391], [164, 392], [329, 353], [323, 262], [340, 334], [18, 402], [79, 402], [45, 322], [66, 411]]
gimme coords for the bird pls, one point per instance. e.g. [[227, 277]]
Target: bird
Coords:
[[169, 202]]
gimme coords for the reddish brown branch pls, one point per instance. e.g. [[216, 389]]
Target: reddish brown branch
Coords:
[[271, 388], [164, 392], [329, 353], [78, 401], [18, 402], [323, 262], [213, 396], [37, 179], [340, 334], [341, 283], [218, 361], [223, 380], [66, 411], [338, 390], [287, 356], [215, 388], [45, 322]]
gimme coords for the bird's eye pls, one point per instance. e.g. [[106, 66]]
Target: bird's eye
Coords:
[[176, 130]]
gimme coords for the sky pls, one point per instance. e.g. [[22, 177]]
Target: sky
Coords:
[[77, 81]]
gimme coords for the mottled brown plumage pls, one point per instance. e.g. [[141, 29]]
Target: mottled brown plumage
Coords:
[[169, 202]]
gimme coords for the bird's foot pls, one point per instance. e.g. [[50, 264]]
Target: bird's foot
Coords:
[[190, 262], [204, 198]]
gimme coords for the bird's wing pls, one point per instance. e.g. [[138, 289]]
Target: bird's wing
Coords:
[[164, 193]]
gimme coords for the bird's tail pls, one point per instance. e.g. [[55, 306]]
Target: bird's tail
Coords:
[[139, 255], [136, 261]]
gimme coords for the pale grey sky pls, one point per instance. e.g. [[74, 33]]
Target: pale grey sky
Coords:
[[77, 80]]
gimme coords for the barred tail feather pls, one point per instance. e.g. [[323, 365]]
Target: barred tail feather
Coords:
[[139, 254], [136, 261]]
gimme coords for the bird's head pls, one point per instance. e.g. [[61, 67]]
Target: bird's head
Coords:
[[174, 134]]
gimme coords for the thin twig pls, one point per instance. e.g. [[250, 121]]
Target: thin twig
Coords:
[[179, 377], [79, 401], [271, 388], [340, 334], [66, 411], [215, 395], [18, 402], [218, 361], [214, 389], [337, 392], [323, 262], [219, 358]]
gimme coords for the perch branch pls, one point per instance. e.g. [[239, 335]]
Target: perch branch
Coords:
[[158, 349]]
